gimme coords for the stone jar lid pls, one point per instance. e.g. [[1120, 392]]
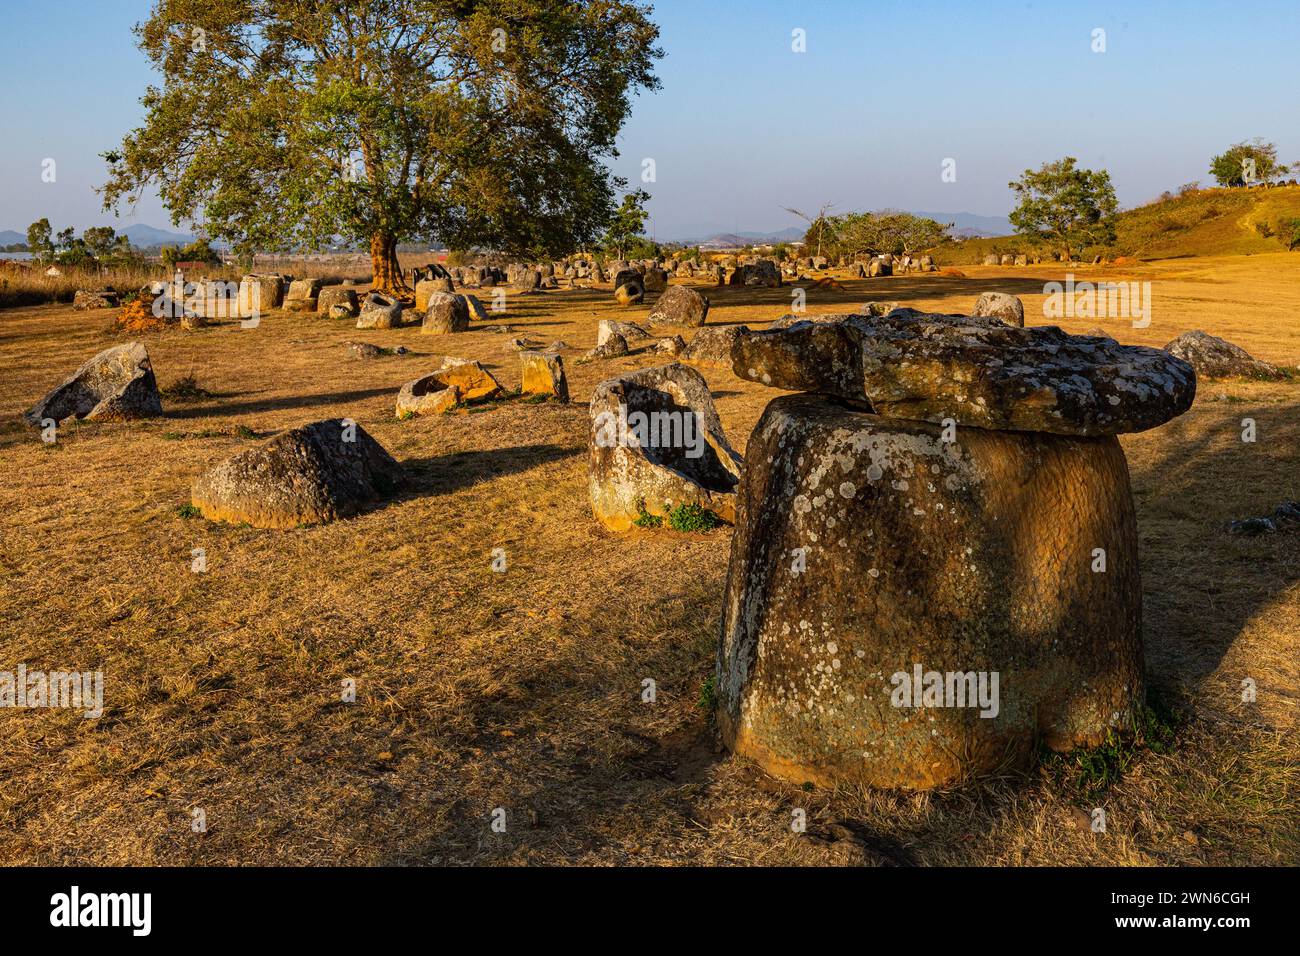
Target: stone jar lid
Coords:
[[974, 370]]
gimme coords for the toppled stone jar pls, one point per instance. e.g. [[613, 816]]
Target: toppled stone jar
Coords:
[[656, 443], [917, 593]]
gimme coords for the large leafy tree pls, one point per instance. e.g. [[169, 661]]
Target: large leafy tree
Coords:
[[872, 233], [1242, 163], [40, 240], [1064, 205], [100, 240], [299, 123], [628, 223]]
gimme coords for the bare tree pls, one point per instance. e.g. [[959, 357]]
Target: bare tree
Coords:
[[819, 223]]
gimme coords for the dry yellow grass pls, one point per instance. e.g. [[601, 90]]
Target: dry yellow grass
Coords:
[[522, 690]]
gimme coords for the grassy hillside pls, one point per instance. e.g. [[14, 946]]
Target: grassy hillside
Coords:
[[1207, 222]]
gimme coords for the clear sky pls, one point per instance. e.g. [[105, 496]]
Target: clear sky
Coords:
[[864, 118]]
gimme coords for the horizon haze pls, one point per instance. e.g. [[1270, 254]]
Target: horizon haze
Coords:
[[849, 121]]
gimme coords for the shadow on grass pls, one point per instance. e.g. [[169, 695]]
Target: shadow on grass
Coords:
[[1199, 485], [430, 476], [208, 410]]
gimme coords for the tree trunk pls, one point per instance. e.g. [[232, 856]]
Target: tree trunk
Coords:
[[387, 270]]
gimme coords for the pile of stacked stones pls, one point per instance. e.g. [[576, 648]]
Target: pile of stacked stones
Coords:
[[935, 558]]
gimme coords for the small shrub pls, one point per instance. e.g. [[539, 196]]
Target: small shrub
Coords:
[[1288, 231], [644, 519], [186, 389], [708, 697], [188, 511], [692, 517], [1093, 770]]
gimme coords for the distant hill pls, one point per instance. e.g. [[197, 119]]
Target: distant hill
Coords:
[[730, 240], [8, 237], [1207, 222], [147, 237], [965, 225]]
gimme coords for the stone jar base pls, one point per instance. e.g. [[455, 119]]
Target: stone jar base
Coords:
[[883, 578]]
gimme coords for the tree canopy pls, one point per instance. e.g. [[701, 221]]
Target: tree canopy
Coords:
[[1248, 162], [874, 233], [1064, 205], [288, 124], [627, 224]]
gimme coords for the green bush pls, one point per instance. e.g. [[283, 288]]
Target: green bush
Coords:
[[1288, 230], [691, 517]]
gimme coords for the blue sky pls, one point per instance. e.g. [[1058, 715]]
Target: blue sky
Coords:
[[744, 126]]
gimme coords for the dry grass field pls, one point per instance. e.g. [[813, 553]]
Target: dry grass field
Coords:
[[522, 690]]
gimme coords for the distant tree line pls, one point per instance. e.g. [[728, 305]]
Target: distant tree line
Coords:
[[96, 246], [858, 234]]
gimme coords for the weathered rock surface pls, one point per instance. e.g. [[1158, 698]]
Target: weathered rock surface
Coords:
[[470, 379], [427, 395], [425, 288], [614, 346], [672, 345], [118, 384], [611, 327], [1213, 357], [1001, 305], [446, 313], [712, 346], [317, 473], [867, 548], [975, 370], [761, 274], [302, 294], [337, 295], [680, 305], [1285, 518], [475, 307], [379, 311], [629, 293], [525, 280], [878, 308], [657, 442], [543, 374], [655, 279], [260, 292], [791, 318]]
